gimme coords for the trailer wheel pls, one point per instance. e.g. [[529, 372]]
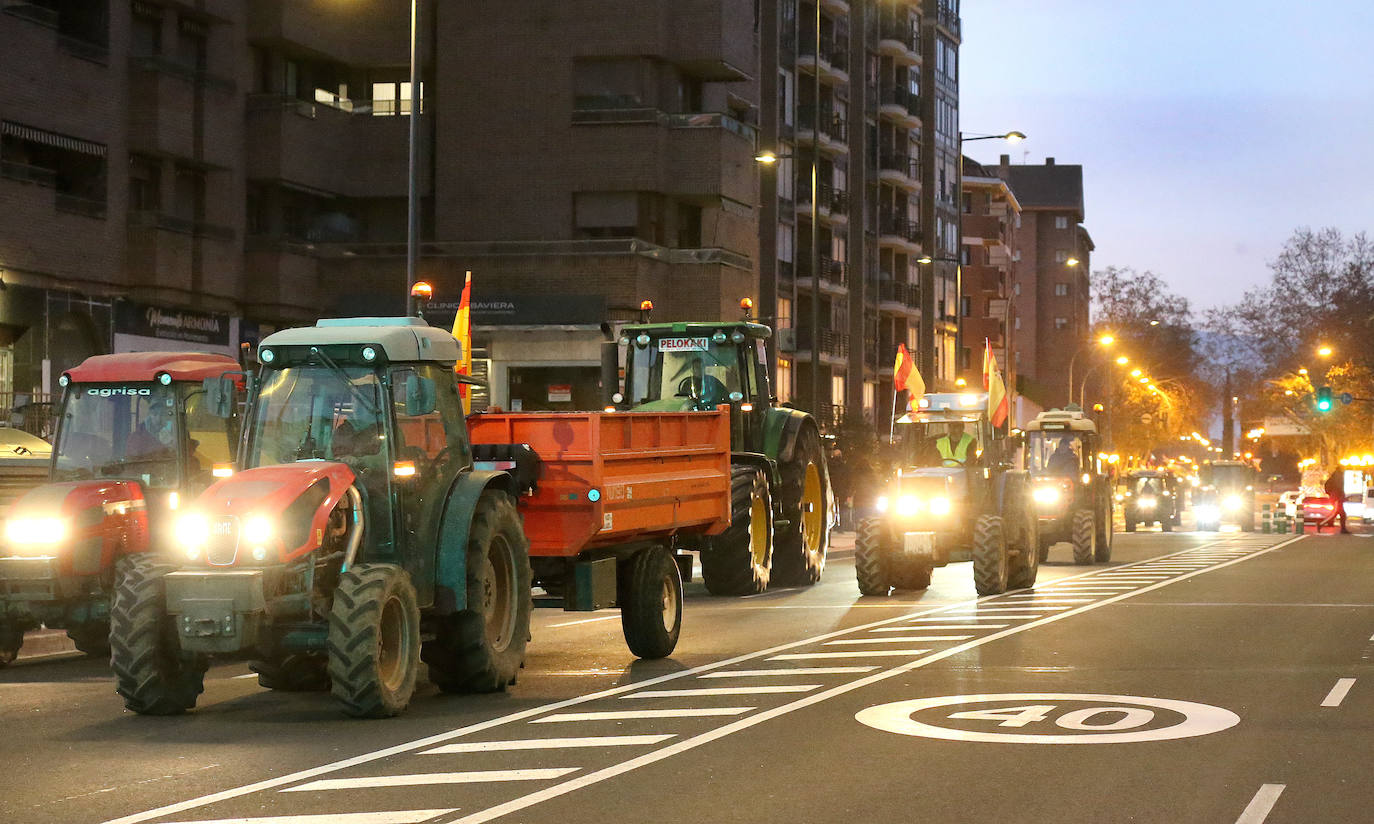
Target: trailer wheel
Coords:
[[870, 558], [482, 647], [11, 640], [295, 672], [651, 602], [990, 567], [1083, 536], [800, 547], [151, 672], [91, 637], [739, 561]]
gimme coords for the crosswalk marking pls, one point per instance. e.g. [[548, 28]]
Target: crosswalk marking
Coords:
[[387, 817], [422, 779], [982, 608], [550, 743], [948, 617], [630, 715], [692, 693], [904, 639], [902, 628], [862, 653], [789, 671]]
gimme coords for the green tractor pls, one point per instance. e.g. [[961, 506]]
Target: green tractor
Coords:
[[955, 497], [781, 503]]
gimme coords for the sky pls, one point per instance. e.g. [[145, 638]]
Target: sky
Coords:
[[1208, 130]]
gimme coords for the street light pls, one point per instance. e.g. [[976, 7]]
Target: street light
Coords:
[[1083, 385], [1012, 137], [1103, 340], [1073, 261], [1122, 361], [412, 186], [1325, 351]]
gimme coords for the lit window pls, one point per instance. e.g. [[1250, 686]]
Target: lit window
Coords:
[[1061, 222], [1061, 290], [1061, 323]]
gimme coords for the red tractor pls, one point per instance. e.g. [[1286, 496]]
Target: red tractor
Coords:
[[134, 440]]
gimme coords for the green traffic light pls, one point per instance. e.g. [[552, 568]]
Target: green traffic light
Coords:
[[1323, 399]]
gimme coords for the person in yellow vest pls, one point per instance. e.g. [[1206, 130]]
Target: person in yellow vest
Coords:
[[956, 450]]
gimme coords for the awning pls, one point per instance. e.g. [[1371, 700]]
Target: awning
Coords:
[[47, 138]]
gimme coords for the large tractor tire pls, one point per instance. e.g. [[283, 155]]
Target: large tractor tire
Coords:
[[651, 602], [1043, 543], [11, 639], [1083, 536], [872, 558], [1024, 560], [739, 561], [151, 672], [990, 567], [799, 549], [293, 672], [1130, 522], [91, 637], [482, 647], [374, 641], [1102, 553]]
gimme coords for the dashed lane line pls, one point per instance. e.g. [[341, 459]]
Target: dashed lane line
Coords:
[[388, 817], [1338, 692], [1258, 809], [860, 653], [926, 627]]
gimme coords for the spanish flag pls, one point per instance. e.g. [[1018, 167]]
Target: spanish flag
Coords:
[[462, 330], [999, 407], [904, 374]]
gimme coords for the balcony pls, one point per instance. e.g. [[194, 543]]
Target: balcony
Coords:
[[833, 129], [901, 170], [897, 231], [897, 296], [833, 64], [834, 274], [948, 19], [834, 346], [333, 29], [833, 205], [901, 106], [982, 230], [900, 39]]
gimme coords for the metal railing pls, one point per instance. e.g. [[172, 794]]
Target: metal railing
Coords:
[[902, 30], [833, 271], [899, 226], [907, 294], [832, 126], [903, 163], [157, 63], [835, 344], [182, 225], [24, 173], [33, 412], [833, 52]]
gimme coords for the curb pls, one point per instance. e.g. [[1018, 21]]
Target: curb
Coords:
[[44, 642]]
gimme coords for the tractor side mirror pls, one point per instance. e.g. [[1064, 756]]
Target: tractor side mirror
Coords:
[[421, 396], [219, 396]]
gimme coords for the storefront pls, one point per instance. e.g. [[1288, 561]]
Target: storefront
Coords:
[[140, 327]]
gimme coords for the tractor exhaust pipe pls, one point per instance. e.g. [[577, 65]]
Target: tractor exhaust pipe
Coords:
[[355, 534], [610, 365]]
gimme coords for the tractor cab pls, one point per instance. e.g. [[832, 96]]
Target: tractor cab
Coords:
[[681, 367], [945, 430]]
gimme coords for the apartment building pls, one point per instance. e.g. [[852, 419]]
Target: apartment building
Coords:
[[1056, 258]]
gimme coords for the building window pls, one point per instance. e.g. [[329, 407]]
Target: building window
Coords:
[[965, 306], [783, 386], [1017, 324], [145, 34], [1061, 290], [606, 214], [787, 242], [784, 313], [1061, 255], [393, 98], [612, 83], [1061, 323], [1016, 290], [870, 398], [1061, 222], [145, 184], [787, 97], [837, 393], [192, 45]]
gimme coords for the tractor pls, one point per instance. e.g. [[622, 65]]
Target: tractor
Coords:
[[354, 539], [1227, 495], [955, 497], [1151, 496], [1070, 484], [781, 504], [135, 439]]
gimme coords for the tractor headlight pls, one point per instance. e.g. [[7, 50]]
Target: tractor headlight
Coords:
[[939, 506], [1146, 503], [1087, 479], [908, 505], [1045, 495], [192, 533], [35, 532], [881, 503], [1207, 514], [257, 530], [1231, 503]]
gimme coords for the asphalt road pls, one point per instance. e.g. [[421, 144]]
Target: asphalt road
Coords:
[[1198, 677]]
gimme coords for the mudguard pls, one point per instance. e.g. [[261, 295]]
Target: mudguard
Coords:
[[780, 428], [451, 566], [273, 491]]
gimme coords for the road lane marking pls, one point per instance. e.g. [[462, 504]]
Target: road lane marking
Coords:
[[1258, 808], [789, 671], [939, 626], [585, 621], [427, 779], [245, 675], [396, 817], [549, 743], [631, 715], [410, 747], [1014, 608], [769, 592], [949, 616], [904, 639], [863, 653], [692, 693], [1338, 692], [1048, 598]]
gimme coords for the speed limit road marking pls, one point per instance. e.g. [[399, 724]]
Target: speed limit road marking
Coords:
[[1048, 718]]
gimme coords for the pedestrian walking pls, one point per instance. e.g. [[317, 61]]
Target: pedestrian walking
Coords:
[[1335, 490]]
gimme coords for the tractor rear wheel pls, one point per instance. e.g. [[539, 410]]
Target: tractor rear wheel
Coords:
[[91, 637], [1102, 553], [871, 561], [800, 547], [990, 567], [11, 640], [294, 672], [739, 561], [1084, 534], [374, 641], [151, 672], [651, 602], [482, 647]]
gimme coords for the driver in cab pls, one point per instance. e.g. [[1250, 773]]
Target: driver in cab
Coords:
[[1065, 460], [705, 389], [955, 446]]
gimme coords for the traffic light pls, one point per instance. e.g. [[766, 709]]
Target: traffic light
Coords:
[[1323, 399]]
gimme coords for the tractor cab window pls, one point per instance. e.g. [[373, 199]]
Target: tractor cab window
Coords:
[[210, 439], [429, 415], [1148, 486], [125, 431], [695, 368], [1054, 453], [947, 442]]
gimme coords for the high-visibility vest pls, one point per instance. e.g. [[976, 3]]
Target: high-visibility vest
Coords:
[[959, 454]]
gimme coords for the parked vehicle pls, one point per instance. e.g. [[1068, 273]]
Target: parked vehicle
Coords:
[[1289, 502], [1316, 509]]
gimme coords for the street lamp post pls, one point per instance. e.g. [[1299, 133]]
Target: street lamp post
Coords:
[[412, 185], [1104, 340]]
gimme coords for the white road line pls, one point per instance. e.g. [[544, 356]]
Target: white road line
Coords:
[[1338, 692], [549, 743], [630, 715], [427, 779], [948, 616], [939, 626], [1258, 808], [245, 675], [862, 653], [1010, 616], [1014, 608], [586, 621], [388, 817], [531, 712], [692, 693], [789, 671], [904, 639], [587, 779], [770, 592], [1047, 598]]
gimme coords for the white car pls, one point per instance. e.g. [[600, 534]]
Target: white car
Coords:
[[1289, 502]]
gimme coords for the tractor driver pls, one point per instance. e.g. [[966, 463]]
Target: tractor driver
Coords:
[[957, 446], [706, 389], [1064, 461]]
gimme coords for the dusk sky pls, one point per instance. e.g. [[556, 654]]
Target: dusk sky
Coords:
[[1208, 130]]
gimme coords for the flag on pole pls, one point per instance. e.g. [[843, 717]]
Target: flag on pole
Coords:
[[998, 405], [462, 330], [904, 374]]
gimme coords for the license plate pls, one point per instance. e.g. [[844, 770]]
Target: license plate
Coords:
[[920, 544]]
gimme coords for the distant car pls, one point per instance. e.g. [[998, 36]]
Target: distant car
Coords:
[[1317, 509], [1289, 502]]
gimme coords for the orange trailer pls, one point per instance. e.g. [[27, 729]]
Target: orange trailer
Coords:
[[608, 503]]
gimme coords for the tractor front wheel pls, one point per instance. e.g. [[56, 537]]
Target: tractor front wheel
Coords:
[[1084, 535], [990, 567], [374, 641], [11, 639], [151, 672], [800, 547], [482, 647], [871, 558], [739, 561], [651, 602]]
